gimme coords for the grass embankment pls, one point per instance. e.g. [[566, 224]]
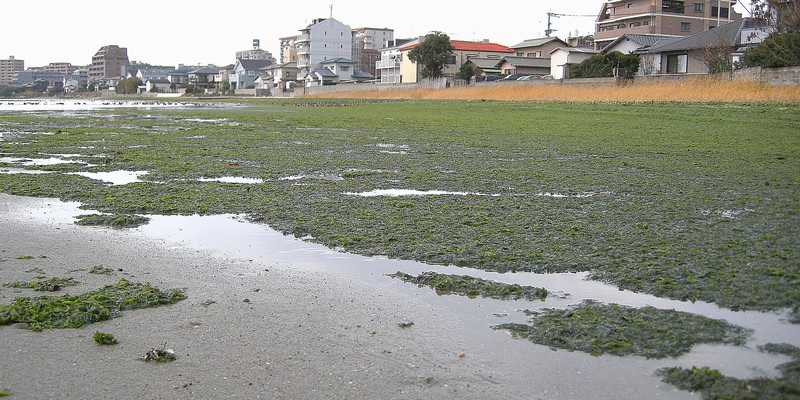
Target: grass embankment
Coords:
[[691, 90]]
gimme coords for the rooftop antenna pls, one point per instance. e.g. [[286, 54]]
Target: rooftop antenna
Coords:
[[331, 10]]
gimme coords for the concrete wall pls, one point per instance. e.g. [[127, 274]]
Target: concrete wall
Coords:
[[771, 76]]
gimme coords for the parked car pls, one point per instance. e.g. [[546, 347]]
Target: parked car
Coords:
[[491, 78], [528, 77], [512, 77]]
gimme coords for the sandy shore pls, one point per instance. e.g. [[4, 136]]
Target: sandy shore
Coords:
[[272, 332]]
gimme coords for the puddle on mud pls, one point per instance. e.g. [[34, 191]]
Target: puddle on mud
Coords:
[[114, 177], [321, 177], [84, 105], [231, 235], [233, 179], [7, 170], [412, 192], [36, 161]]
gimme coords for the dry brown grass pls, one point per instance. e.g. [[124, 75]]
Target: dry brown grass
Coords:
[[690, 90]]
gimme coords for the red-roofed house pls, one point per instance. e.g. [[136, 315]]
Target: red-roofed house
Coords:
[[462, 51]]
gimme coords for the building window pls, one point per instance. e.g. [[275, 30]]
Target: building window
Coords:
[[451, 60], [646, 23], [344, 68], [715, 11], [723, 12], [698, 7], [685, 26], [677, 63], [631, 5], [672, 6]]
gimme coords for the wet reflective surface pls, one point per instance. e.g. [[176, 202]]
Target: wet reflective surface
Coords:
[[232, 236]]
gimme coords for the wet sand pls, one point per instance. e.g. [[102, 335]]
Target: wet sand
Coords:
[[272, 331]]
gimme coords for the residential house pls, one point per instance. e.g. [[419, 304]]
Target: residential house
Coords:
[[151, 73], [485, 66], [688, 55], [631, 43], [323, 39], [159, 85], [540, 47], [75, 81], [245, 73], [225, 73], [284, 75], [525, 65], [462, 52], [660, 17], [178, 80], [388, 67], [563, 57], [264, 83], [338, 70], [204, 78]]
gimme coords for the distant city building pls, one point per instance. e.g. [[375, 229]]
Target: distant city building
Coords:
[[256, 53], [63, 68], [110, 61], [9, 67], [288, 49], [660, 17], [367, 46], [27, 77]]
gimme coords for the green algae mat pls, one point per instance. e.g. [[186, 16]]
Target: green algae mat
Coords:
[[75, 311], [679, 200]]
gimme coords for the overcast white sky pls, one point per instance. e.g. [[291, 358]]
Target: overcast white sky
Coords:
[[172, 32]]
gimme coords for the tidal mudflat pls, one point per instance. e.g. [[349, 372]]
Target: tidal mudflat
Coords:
[[681, 206]]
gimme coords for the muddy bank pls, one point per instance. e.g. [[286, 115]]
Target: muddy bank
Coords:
[[261, 329]]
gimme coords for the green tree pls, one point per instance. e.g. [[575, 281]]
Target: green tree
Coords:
[[466, 72], [782, 47], [432, 54], [604, 65], [128, 86]]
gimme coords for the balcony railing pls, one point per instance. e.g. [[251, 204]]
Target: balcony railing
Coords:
[[303, 38], [387, 64]]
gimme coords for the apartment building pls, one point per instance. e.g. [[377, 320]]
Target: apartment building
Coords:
[[9, 67], [288, 49], [323, 39], [63, 68], [256, 53], [367, 46], [660, 17], [109, 62]]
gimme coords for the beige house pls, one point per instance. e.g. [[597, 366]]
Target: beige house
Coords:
[[525, 65], [284, 75], [563, 57], [540, 47], [462, 51], [686, 55], [660, 17]]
